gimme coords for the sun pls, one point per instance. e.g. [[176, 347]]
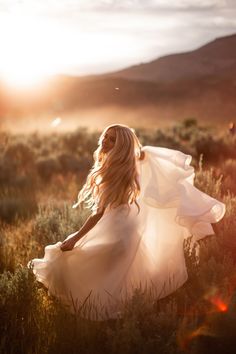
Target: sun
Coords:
[[31, 50], [34, 48]]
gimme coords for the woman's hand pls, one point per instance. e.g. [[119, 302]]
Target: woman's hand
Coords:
[[69, 242], [142, 155]]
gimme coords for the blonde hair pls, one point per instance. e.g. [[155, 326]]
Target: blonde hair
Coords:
[[113, 179]]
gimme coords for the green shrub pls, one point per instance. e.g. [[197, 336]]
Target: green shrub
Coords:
[[47, 167], [17, 204], [54, 223], [20, 313]]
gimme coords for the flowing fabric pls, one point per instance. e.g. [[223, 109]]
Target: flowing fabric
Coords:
[[127, 250]]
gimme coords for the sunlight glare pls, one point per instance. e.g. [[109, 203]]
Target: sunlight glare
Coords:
[[32, 50], [56, 122], [25, 78]]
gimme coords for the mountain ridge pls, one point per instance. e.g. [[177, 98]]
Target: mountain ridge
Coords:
[[200, 84], [209, 59]]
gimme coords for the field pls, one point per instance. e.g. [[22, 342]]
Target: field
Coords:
[[40, 175]]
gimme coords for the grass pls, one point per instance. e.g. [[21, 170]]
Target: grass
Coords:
[[200, 317]]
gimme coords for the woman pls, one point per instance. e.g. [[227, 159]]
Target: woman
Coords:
[[144, 205]]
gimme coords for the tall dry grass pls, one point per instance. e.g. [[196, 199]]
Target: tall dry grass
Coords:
[[200, 317]]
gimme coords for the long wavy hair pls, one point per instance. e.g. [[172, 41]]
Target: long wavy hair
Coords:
[[113, 179]]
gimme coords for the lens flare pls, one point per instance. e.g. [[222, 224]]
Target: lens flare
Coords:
[[56, 122], [214, 298], [220, 305]]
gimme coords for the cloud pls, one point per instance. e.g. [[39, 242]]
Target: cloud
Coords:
[[150, 5], [44, 6], [128, 31]]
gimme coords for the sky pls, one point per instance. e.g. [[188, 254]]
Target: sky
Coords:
[[80, 37]]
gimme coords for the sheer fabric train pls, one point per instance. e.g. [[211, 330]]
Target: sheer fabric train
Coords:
[[125, 249]]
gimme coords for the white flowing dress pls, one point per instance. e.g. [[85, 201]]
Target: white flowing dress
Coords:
[[127, 250]]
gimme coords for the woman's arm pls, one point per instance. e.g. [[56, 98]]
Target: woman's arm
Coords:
[[71, 240]]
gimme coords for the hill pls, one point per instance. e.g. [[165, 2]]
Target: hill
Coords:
[[200, 84], [217, 58]]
